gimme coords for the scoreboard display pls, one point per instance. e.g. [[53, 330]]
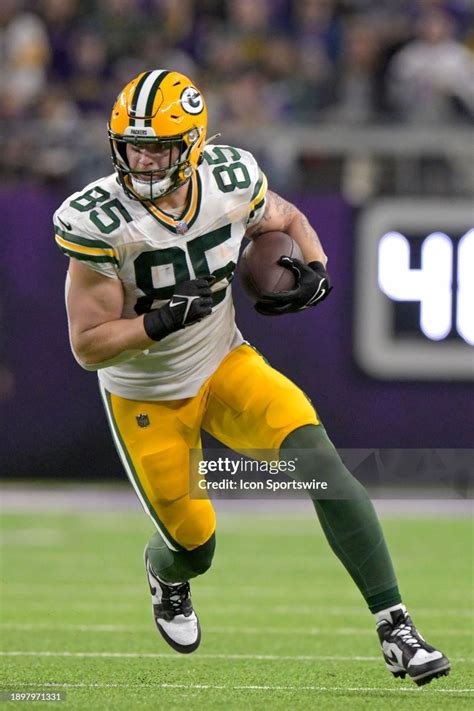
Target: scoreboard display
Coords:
[[414, 290]]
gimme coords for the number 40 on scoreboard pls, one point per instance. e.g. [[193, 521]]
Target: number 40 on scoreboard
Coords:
[[414, 290]]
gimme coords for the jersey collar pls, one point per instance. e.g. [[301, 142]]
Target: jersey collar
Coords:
[[180, 225]]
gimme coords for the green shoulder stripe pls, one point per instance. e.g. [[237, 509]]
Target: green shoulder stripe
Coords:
[[87, 257], [82, 241]]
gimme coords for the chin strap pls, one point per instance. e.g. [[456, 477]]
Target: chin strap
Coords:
[[209, 140]]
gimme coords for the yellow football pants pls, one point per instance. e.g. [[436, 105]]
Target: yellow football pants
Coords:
[[245, 404]]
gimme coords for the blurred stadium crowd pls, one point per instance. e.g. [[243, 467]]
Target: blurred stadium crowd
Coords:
[[259, 63]]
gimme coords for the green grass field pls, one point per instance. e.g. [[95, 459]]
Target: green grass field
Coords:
[[283, 625]]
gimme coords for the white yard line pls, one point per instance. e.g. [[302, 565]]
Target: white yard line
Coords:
[[166, 655], [244, 607], [224, 687], [204, 590], [12, 589], [259, 631]]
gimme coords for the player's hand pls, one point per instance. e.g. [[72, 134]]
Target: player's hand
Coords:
[[191, 302], [313, 285]]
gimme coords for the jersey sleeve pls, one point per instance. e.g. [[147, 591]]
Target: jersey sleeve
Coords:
[[256, 189], [75, 241], [258, 198]]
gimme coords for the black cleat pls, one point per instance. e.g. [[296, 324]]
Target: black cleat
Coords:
[[406, 652], [173, 612]]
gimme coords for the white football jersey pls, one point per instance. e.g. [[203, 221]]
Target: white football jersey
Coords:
[[151, 251]]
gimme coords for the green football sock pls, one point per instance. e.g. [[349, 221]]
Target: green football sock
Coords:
[[179, 566], [349, 520]]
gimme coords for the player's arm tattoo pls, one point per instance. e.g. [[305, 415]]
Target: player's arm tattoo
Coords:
[[278, 215], [308, 231]]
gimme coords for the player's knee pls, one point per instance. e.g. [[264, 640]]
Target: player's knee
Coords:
[[196, 527], [200, 559]]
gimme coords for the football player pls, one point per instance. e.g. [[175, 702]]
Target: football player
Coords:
[[153, 249]]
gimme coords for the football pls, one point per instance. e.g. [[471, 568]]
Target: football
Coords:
[[259, 270]]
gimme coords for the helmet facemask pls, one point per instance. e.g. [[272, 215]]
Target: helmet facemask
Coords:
[[152, 184]]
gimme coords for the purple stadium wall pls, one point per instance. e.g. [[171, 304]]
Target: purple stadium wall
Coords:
[[54, 426]]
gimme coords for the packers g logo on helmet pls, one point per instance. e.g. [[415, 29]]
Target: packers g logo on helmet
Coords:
[[158, 107], [191, 100]]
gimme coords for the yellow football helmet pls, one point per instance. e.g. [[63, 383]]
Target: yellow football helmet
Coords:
[[158, 107]]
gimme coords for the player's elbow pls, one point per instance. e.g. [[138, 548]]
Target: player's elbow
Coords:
[[90, 366], [90, 358], [85, 356], [85, 360]]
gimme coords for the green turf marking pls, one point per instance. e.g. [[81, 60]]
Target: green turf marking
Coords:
[[80, 590]]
